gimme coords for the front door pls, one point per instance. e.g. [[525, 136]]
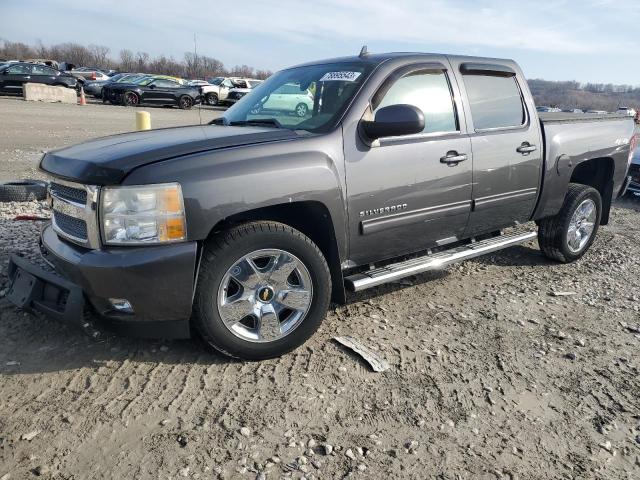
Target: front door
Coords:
[[411, 192], [507, 148], [14, 76]]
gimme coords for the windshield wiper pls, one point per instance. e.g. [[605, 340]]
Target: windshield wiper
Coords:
[[257, 121]]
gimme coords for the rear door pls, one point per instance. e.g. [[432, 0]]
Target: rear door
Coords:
[[506, 144], [406, 194], [43, 74]]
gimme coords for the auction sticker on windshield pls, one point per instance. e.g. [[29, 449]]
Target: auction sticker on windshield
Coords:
[[340, 77]]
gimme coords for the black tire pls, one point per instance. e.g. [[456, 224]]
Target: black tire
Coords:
[[301, 110], [222, 252], [185, 102], [553, 231], [130, 99], [23, 191], [211, 99]]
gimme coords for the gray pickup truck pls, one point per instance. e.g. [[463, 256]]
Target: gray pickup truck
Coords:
[[244, 230]]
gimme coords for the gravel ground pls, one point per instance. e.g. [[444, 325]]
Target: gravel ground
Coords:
[[507, 366]]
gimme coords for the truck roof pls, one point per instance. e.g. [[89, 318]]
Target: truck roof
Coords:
[[378, 58]]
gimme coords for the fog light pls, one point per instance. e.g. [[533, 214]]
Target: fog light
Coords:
[[121, 305]]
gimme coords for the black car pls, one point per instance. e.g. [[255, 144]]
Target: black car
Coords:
[[14, 75], [154, 91]]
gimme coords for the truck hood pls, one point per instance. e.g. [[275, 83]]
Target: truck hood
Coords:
[[106, 161]]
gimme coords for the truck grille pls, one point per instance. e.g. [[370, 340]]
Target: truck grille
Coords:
[[74, 212], [69, 193], [74, 227]]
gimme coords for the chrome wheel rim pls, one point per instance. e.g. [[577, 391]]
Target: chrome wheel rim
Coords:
[[131, 99], [265, 295], [301, 110], [581, 225], [185, 102], [212, 100]]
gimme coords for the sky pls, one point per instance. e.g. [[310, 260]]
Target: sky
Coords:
[[585, 40]]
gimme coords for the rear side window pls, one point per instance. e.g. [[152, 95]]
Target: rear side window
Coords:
[[428, 90], [495, 101]]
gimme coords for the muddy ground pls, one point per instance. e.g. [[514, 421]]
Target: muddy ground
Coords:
[[507, 366]]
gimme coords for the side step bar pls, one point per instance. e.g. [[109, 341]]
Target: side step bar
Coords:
[[436, 261]]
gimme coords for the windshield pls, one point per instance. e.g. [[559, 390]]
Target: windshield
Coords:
[[309, 98], [216, 80]]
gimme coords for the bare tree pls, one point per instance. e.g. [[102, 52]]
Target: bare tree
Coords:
[[142, 58], [126, 60], [263, 74], [241, 71], [100, 55]]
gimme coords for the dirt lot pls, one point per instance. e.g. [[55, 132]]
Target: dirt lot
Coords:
[[508, 366], [31, 128]]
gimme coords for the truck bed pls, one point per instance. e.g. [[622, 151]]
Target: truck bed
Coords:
[[568, 117]]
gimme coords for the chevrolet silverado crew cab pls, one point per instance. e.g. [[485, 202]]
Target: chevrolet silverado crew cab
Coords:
[[244, 230]]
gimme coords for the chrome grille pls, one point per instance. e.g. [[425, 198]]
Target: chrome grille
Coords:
[[74, 227], [69, 193], [75, 212]]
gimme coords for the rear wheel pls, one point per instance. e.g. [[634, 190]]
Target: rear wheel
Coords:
[[568, 235], [263, 290], [185, 102], [211, 99], [130, 99]]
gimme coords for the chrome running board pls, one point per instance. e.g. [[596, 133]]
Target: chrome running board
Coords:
[[396, 271]]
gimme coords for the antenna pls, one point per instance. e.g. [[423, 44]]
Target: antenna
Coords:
[[363, 51]]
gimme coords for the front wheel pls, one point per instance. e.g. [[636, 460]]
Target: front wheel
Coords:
[[568, 235], [130, 99], [302, 110], [211, 99], [185, 102], [263, 290]]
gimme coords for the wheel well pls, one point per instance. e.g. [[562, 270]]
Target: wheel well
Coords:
[[597, 173], [311, 218]]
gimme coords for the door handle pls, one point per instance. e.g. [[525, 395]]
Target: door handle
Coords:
[[526, 148], [453, 158], [27, 77]]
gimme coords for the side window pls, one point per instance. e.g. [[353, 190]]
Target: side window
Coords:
[[165, 84], [227, 83], [19, 70], [495, 101], [429, 90], [42, 70]]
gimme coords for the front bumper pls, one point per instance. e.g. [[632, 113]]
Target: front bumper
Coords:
[[158, 282], [634, 187]]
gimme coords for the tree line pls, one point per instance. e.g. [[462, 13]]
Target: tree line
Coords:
[[571, 94], [192, 66], [589, 96]]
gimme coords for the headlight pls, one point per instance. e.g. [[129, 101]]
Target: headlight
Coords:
[[143, 214]]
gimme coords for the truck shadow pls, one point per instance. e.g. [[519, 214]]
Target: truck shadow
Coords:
[[31, 343]]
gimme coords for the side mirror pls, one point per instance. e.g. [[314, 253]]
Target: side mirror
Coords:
[[152, 86], [394, 121]]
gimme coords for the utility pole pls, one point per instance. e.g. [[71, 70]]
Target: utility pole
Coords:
[[195, 53]]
